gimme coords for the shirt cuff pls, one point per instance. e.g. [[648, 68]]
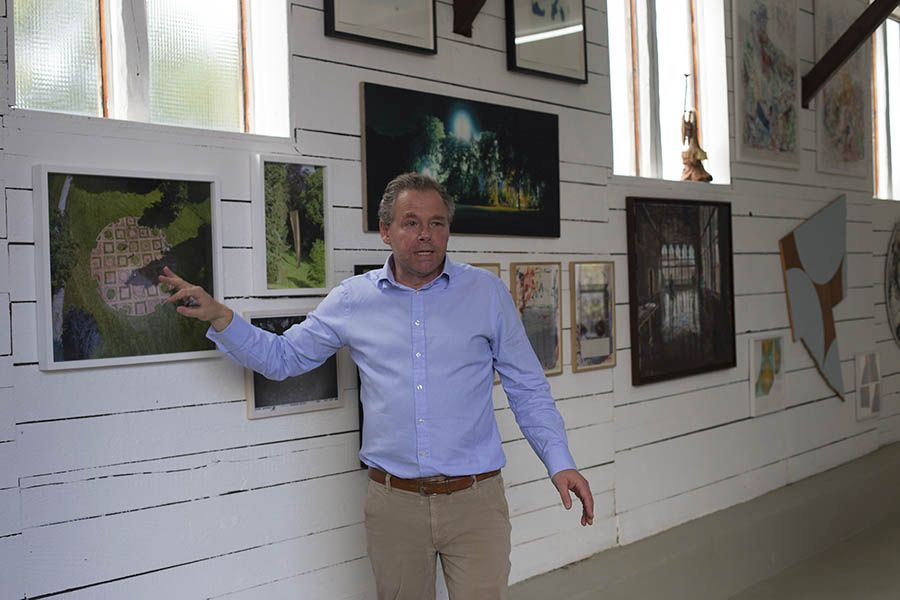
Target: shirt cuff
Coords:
[[558, 459], [233, 337]]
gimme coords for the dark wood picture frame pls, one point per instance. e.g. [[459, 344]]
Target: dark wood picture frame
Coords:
[[681, 288], [334, 29], [520, 24]]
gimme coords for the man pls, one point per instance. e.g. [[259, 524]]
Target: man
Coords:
[[426, 334]]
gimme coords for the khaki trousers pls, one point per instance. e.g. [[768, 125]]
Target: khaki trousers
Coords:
[[405, 532]]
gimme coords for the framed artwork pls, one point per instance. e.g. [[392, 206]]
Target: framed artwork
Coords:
[[767, 82], [814, 265], [404, 24], [892, 283], [868, 385], [501, 164], [681, 289], [102, 239], [536, 289], [315, 390], [547, 37], [592, 288], [842, 107], [492, 267], [291, 227], [766, 374]]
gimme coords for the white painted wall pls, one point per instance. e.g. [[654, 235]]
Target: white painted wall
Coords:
[[148, 481]]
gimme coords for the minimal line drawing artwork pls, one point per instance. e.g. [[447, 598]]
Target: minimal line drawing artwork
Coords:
[[536, 292], [868, 385], [766, 374], [814, 263], [892, 283]]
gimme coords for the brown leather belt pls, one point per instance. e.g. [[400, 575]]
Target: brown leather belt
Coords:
[[430, 486]]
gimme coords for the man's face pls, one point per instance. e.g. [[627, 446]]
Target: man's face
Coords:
[[418, 236]]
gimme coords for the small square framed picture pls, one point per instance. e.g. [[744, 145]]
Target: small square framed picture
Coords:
[[547, 38], [592, 288], [315, 390], [868, 385], [766, 374], [536, 291], [492, 267], [405, 24]]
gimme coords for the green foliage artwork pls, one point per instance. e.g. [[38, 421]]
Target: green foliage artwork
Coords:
[[109, 238], [295, 225], [500, 164]]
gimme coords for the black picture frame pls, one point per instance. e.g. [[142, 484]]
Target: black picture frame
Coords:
[[681, 288], [556, 56], [516, 193], [379, 36]]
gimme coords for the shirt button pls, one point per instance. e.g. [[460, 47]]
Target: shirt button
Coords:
[[418, 355], [419, 387], [421, 421], [423, 453], [418, 322]]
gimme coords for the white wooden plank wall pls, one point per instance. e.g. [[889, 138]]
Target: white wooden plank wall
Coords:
[[148, 482]]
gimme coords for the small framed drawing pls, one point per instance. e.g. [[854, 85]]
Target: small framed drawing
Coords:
[[492, 267], [315, 390], [868, 385], [102, 239], [291, 227], [766, 374], [536, 290], [547, 37], [405, 24], [592, 288]]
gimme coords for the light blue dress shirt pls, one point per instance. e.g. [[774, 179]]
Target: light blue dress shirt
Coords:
[[426, 360]]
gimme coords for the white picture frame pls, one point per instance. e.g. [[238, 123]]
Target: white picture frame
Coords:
[[867, 366], [111, 317], [767, 381], [324, 384], [404, 24], [547, 38], [261, 286]]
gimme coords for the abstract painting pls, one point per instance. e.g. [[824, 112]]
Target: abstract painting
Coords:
[[813, 259], [767, 82], [868, 385], [293, 225], [766, 374], [892, 283], [547, 37], [842, 107], [536, 289], [103, 239], [314, 390], [500, 164], [680, 288], [592, 287]]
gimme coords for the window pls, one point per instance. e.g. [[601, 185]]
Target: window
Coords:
[[886, 105], [666, 57], [212, 64]]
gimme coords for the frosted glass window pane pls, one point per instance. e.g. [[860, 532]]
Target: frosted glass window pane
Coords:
[[195, 63], [57, 46]]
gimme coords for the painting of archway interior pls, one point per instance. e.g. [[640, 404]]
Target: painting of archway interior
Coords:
[[680, 287], [868, 385], [766, 374], [813, 259], [892, 283]]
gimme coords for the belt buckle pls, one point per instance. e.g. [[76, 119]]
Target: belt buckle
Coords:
[[424, 482]]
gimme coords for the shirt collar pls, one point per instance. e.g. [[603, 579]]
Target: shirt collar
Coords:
[[386, 274]]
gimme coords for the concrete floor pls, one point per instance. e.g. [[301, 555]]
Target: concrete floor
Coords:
[[866, 566]]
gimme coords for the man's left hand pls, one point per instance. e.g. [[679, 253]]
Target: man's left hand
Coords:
[[570, 479]]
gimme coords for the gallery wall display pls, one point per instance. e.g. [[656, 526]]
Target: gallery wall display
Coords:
[[767, 82], [536, 291], [291, 227], [842, 107], [813, 260], [315, 390], [868, 385], [500, 164], [681, 288], [404, 24], [592, 288], [892, 283], [767, 370], [547, 37], [102, 239]]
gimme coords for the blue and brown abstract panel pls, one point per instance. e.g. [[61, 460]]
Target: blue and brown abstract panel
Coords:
[[813, 258]]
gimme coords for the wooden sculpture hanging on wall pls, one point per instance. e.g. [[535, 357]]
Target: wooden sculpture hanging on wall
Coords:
[[693, 154], [814, 263]]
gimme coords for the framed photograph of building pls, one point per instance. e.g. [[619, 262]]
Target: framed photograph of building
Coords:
[[102, 239], [501, 164], [767, 370], [592, 289], [291, 227], [404, 24], [681, 290], [315, 390], [547, 37], [536, 290]]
